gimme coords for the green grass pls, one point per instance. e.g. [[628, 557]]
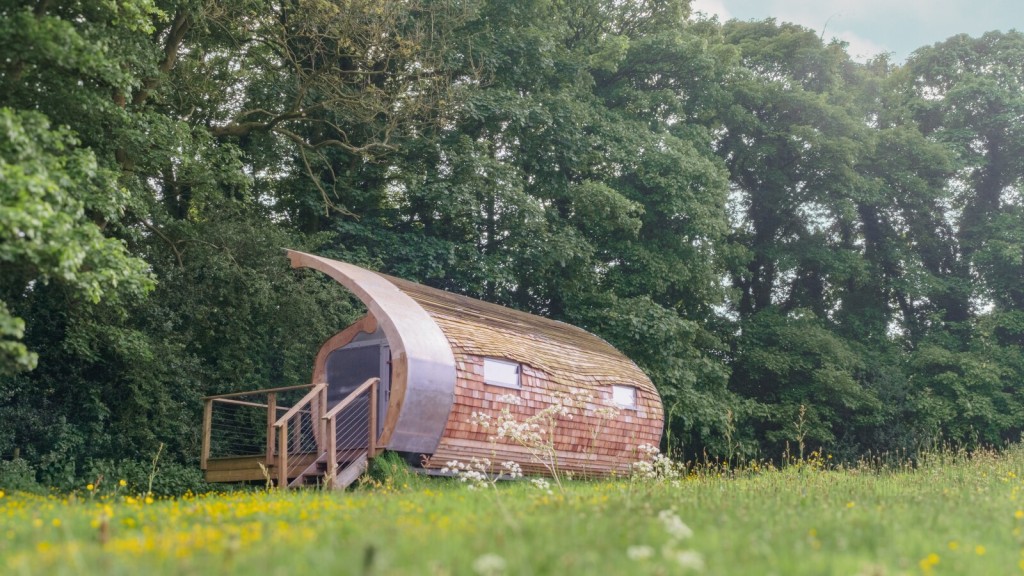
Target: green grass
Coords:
[[951, 515]]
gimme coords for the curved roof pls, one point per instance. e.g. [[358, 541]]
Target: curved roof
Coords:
[[569, 355], [426, 327]]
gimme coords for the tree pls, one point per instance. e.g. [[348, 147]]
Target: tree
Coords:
[[968, 97], [56, 197]]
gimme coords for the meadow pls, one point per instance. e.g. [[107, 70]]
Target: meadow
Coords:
[[949, 513]]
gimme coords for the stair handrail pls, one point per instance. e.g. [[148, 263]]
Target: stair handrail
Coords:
[[333, 412], [319, 391], [307, 399], [332, 431]]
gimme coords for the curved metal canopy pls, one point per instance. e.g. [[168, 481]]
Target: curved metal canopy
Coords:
[[422, 363]]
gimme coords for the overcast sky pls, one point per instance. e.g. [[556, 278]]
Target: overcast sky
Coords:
[[874, 26]]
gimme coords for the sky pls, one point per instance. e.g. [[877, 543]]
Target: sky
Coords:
[[875, 26]]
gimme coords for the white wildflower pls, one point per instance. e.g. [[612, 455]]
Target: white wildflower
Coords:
[[473, 474], [510, 399], [453, 467], [542, 484], [648, 450], [523, 432], [489, 565], [656, 466], [639, 552], [674, 525], [512, 469], [688, 559]]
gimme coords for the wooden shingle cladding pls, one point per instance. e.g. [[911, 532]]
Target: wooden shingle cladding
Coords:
[[555, 359], [594, 441], [571, 356]]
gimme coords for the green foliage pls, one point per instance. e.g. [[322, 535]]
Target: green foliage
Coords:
[[389, 471], [169, 480], [773, 232], [15, 356], [803, 373], [53, 194], [19, 475]]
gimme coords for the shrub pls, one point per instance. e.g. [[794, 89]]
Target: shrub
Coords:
[[19, 475]]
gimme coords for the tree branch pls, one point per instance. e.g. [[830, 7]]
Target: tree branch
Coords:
[[168, 241], [180, 27]]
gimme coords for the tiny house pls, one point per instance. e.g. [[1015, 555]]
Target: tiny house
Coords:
[[417, 374]]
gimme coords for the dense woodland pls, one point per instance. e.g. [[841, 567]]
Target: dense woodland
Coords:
[[794, 245]]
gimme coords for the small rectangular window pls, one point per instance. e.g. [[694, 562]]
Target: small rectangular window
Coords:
[[624, 396], [501, 373]]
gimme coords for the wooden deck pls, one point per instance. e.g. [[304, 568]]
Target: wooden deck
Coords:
[[236, 469], [247, 468]]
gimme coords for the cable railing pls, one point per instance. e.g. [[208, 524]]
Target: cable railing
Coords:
[[296, 438], [239, 424], [297, 432], [351, 428]]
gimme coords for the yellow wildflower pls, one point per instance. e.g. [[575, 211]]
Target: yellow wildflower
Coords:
[[928, 563], [979, 550]]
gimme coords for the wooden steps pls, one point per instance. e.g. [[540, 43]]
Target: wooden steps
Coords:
[[350, 468], [350, 473]]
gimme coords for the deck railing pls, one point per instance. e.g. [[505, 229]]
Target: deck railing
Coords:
[[292, 435], [242, 423], [345, 421], [299, 431]]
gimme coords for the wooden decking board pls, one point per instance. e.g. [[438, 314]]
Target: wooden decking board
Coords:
[[235, 463]]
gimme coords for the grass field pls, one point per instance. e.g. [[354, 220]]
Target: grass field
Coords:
[[951, 514]]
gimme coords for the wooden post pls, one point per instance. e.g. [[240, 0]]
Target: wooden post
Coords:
[[271, 418], [371, 447], [331, 448], [207, 431], [282, 456], [321, 422]]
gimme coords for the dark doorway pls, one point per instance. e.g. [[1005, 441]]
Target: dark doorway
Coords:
[[347, 368]]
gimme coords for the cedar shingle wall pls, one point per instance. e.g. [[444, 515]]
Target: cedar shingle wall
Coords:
[[556, 358], [587, 443]]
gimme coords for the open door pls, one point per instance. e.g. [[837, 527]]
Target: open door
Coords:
[[346, 369]]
